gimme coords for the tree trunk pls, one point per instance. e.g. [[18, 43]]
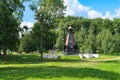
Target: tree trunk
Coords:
[[5, 54], [0, 51], [41, 46]]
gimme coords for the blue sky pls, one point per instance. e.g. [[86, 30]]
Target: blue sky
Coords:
[[102, 5], [86, 8], [28, 13]]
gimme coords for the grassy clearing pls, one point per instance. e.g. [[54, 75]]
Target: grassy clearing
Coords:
[[30, 67]]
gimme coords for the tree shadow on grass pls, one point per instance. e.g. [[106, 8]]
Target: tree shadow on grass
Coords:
[[34, 59], [111, 61], [21, 59], [51, 72]]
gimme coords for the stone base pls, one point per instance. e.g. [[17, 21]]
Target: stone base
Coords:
[[89, 55]]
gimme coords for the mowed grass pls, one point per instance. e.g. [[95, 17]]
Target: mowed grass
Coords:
[[30, 67]]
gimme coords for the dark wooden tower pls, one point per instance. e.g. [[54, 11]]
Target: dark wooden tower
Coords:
[[70, 47]]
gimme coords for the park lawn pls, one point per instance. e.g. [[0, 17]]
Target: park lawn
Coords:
[[30, 67]]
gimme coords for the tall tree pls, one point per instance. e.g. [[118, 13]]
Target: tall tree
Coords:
[[90, 41], [10, 17], [116, 23], [105, 41], [116, 42], [60, 40], [80, 38], [27, 44], [46, 11]]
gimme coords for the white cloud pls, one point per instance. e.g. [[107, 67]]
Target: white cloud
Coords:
[[117, 12], [28, 24], [94, 14], [108, 15], [75, 8]]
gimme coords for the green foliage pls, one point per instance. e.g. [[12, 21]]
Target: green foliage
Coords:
[[60, 41], [80, 38], [11, 12], [27, 44], [46, 13], [116, 23], [105, 41], [50, 29], [116, 44], [48, 37], [92, 35], [90, 40], [9, 24]]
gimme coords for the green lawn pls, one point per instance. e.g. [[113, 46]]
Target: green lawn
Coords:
[[30, 67]]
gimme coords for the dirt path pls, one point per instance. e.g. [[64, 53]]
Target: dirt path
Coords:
[[109, 59]]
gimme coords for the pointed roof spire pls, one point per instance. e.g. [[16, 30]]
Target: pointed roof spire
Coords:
[[69, 27]]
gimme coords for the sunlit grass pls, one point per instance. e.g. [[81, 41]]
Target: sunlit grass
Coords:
[[30, 67]]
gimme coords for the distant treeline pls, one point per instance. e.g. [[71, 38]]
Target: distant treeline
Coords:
[[91, 35]]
